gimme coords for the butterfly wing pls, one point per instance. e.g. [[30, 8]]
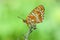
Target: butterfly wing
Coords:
[[36, 16]]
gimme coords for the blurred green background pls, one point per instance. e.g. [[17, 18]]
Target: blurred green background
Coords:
[[13, 28]]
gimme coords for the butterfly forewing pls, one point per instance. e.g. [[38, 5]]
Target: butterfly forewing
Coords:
[[36, 16]]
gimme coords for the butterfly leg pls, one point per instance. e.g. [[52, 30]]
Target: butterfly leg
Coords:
[[30, 28], [34, 26]]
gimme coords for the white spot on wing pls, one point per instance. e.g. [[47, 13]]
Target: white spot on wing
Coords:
[[37, 19]]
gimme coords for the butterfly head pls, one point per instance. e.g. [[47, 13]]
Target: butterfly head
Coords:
[[24, 21]]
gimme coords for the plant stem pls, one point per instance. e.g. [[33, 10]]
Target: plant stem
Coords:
[[28, 33]]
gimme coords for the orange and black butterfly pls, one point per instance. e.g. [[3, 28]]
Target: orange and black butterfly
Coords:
[[35, 16]]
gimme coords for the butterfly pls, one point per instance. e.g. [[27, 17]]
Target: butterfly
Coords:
[[35, 16]]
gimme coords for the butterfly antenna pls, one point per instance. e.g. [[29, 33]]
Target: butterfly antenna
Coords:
[[21, 18]]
